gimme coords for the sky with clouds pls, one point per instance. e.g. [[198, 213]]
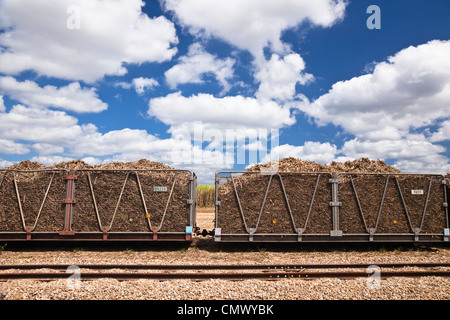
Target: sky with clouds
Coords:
[[219, 85]]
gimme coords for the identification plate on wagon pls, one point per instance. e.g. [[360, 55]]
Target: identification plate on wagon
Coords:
[[417, 191], [160, 189]]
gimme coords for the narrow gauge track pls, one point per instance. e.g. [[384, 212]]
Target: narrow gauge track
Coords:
[[197, 272]]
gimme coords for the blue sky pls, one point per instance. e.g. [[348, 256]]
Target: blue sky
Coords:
[[174, 81]]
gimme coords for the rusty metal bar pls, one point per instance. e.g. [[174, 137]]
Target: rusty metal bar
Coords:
[[359, 204], [269, 266], [19, 202], [230, 276], [404, 205], [263, 203], [94, 201], [118, 201], [287, 202], [43, 201], [381, 203], [426, 204], [147, 215], [239, 204], [312, 201], [168, 201], [3, 177]]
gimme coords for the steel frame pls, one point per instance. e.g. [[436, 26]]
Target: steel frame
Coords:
[[104, 233], [335, 235], [415, 232], [252, 234]]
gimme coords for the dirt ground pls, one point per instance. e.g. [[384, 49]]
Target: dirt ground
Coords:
[[205, 218]]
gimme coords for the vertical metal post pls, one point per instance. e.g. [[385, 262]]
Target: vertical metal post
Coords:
[[335, 204], [69, 201], [445, 205], [217, 231], [192, 202]]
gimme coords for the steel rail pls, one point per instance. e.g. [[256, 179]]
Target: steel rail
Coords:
[[228, 276], [225, 266], [274, 271]]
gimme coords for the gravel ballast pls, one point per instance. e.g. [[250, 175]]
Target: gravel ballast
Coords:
[[203, 252]]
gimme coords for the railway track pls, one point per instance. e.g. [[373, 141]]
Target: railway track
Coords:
[[229, 272]]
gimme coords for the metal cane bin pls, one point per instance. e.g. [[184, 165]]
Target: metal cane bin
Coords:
[[393, 207], [31, 202], [273, 207], [91, 204]]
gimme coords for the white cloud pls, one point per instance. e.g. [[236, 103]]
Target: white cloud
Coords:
[[231, 112], [410, 90], [2, 104], [410, 147], [390, 110], [141, 84], [41, 126], [5, 163], [434, 163], [47, 149], [116, 141], [253, 25], [279, 76], [109, 33], [71, 97], [443, 133], [49, 160], [310, 151], [11, 147], [195, 64], [255, 146]]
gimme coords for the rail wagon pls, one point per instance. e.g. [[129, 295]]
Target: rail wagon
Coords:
[[97, 204], [146, 202], [256, 206]]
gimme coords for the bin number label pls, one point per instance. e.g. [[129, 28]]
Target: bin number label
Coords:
[[420, 191], [160, 189]]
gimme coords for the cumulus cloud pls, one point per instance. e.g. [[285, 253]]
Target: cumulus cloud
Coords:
[[71, 97], [409, 90], [47, 149], [2, 104], [197, 63], [253, 25], [309, 151], [390, 110], [231, 112], [142, 84], [279, 76], [84, 39], [412, 146], [5, 163], [443, 133], [39, 125], [11, 147], [117, 141]]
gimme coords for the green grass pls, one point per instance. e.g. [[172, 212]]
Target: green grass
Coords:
[[205, 196], [204, 188]]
